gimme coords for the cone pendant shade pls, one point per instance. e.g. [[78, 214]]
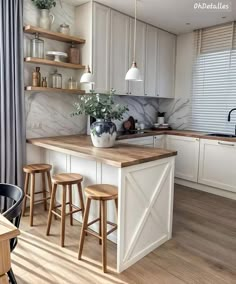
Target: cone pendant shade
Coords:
[[87, 77], [133, 73]]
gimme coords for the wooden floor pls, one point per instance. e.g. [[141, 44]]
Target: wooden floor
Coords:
[[203, 249]]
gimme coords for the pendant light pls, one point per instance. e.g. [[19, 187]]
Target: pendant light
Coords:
[[133, 73], [87, 77]]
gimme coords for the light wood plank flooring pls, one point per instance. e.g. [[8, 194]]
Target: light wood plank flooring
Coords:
[[203, 249]]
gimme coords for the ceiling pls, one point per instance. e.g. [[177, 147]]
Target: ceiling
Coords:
[[172, 15]]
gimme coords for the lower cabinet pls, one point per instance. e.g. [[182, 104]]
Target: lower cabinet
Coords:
[[144, 141], [217, 164], [186, 163], [160, 141]]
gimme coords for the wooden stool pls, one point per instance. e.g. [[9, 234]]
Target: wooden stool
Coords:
[[102, 193], [30, 171], [66, 180]]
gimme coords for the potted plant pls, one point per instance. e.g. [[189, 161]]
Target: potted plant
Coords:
[[46, 18], [103, 109]]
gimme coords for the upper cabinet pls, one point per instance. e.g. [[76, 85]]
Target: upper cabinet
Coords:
[[101, 47], [111, 45], [166, 64], [119, 52], [151, 61]]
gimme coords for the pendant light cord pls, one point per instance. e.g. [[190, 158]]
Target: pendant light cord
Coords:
[[135, 29]]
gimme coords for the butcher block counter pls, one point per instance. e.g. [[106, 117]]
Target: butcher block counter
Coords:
[[122, 155], [145, 180]]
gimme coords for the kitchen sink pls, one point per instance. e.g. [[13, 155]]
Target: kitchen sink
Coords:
[[221, 135]]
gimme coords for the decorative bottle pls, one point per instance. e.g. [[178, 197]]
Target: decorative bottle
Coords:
[[74, 54]]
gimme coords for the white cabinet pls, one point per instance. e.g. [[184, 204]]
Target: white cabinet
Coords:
[[151, 61], [119, 51], [186, 166], [137, 88], [144, 141], [166, 64], [160, 141], [217, 164], [101, 47]]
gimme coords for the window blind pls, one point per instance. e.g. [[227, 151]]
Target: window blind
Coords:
[[214, 79]]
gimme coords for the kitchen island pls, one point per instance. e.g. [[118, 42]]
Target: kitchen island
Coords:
[[145, 180]]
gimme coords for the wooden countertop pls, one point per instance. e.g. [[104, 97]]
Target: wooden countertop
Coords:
[[186, 133], [122, 155]]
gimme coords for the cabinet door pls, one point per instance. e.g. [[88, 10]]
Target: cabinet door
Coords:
[[137, 88], [144, 141], [151, 61], [101, 47], [217, 164], [166, 64], [160, 141], [186, 166], [119, 52]]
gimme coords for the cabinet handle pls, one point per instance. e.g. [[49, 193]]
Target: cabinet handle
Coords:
[[130, 93], [145, 94], [127, 93], [157, 95], [226, 144]]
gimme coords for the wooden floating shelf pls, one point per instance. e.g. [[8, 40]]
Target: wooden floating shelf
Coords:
[[54, 90], [53, 35], [53, 63]]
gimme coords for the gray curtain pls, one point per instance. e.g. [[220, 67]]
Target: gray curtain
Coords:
[[12, 122]]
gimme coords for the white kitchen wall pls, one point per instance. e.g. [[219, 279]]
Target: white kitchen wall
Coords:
[[178, 109], [48, 114]]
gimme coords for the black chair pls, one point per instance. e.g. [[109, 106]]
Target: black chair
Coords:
[[11, 198]]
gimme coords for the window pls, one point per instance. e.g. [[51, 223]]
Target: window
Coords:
[[214, 79]]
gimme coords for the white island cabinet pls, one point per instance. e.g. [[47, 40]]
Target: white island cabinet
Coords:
[[145, 180]]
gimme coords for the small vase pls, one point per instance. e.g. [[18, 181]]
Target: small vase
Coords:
[[103, 133], [46, 19]]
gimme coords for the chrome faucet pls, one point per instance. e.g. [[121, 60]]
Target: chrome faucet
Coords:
[[229, 116]]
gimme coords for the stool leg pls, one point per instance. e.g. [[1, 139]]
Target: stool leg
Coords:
[[84, 227], [81, 198], [50, 190], [53, 196], [70, 204], [63, 215], [100, 220], [104, 236], [32, 190], [44, 191], [26, 187]]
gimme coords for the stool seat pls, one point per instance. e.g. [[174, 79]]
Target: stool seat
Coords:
[[67, 178], [101, 192], [37, 168]]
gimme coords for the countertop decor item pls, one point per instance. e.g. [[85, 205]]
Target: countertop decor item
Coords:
[[37, 47], [104, 109], [57, 55], [46, 18], [72, 84], [161, 117]]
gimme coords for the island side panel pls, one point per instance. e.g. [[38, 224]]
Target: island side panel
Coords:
[[145, 209]]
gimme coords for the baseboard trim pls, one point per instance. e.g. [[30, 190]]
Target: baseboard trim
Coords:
[[209, 189]]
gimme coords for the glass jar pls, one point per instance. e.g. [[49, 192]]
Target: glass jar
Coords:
[[37, 47], [72, 84], [56, 80], [64, 29], [74, 54]]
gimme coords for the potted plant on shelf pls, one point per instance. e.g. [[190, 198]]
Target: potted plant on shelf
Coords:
[[104, 110], [46, 18]]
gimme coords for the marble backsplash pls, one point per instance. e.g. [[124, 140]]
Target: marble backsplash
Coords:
[[177, 111]]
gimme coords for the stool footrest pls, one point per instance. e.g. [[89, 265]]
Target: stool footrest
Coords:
[[94, 221], [38, 192], [93, 234], [55, 213], [74, 211], [112, 230]]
